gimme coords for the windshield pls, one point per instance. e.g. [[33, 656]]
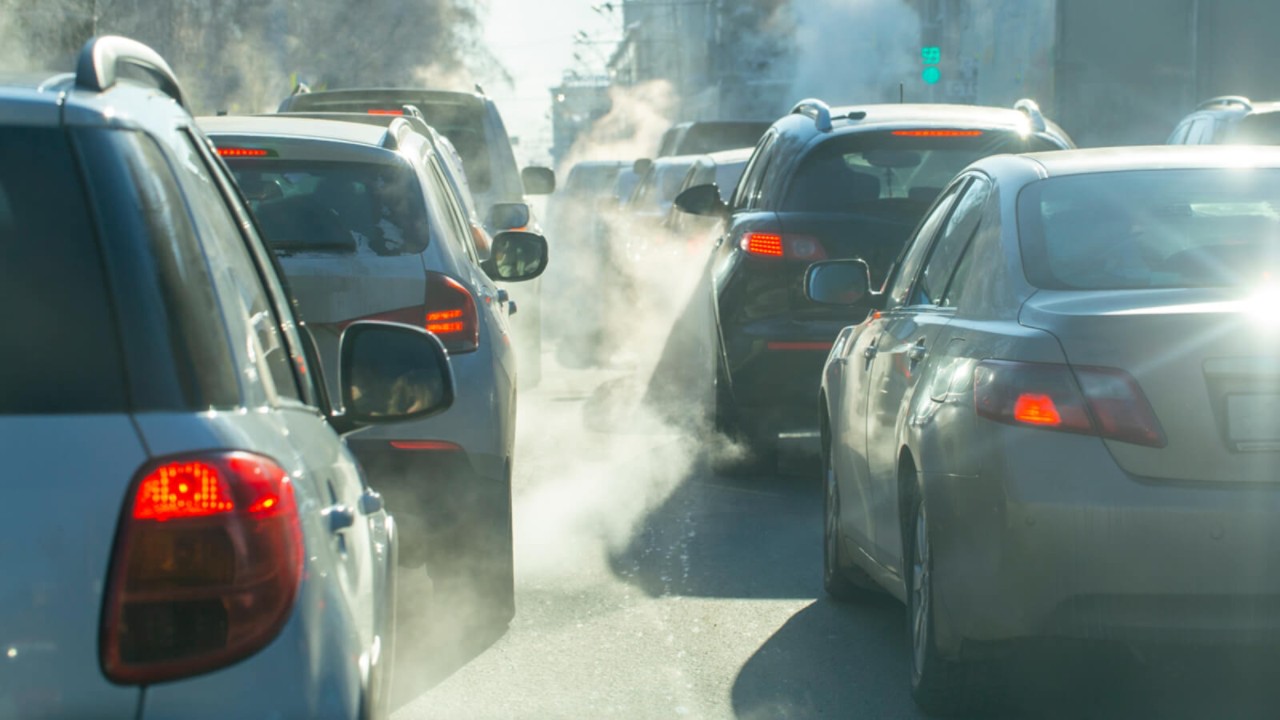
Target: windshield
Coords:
[[1166, 229], [335, 207]]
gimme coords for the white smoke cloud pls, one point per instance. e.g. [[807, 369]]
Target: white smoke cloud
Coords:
[[855, 51]]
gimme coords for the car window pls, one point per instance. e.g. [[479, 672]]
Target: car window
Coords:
[[452, 218], [1201, 131], [1179, 135], [63, 354], [1151, 229], [953, 240], [316, 206], [749, 187], [256, 337], [908, 265]]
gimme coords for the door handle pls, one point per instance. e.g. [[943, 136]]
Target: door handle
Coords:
[[503, 295], [870, 351], [917, 352], [511, 308], [339, 517], [371, 502]]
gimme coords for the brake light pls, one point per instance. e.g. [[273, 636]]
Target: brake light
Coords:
[[1106, 402], [237, 152], [938, 133], [206, 566], [791, 247], [439, 445], [386, 112], [451, 314]]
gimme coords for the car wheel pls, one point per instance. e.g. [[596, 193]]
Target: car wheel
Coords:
[[940, 686], [842, 580]]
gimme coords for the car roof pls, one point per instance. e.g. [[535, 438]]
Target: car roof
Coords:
[[288, 126], [394, 96], [1156, 157]]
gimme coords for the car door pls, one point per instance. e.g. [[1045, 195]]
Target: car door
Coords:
[[858, 500], [254, 317]]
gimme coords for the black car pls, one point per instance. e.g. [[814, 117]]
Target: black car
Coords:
[[826, 183], [1229, 120]]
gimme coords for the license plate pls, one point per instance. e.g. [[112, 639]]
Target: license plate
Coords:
[[1253, 419]]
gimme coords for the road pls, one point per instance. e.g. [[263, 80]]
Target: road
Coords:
[[651, 587]]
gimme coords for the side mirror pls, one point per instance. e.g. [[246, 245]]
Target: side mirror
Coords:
[[517, 256], [702, 200], [538, 181], [508, 216], [642, 166], [846, 283], [391, 373]]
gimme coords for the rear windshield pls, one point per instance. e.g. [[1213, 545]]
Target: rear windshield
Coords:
[[1257, 129], [586, 180], [62, 354], [882, 172], [1152, 229], [705, 138], [335, 207], [661, 187]]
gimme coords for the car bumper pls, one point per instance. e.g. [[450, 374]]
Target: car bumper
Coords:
[[1053, 540], [775, 370]]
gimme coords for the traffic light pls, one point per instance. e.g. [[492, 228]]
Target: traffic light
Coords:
[[932, 57]]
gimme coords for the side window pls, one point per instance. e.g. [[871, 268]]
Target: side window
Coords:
[[749, 187], [898, 285], [1179, 135], [451, 218], [952, 242], [255, 334], [1200, 131]]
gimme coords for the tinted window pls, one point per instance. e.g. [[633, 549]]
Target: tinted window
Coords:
[[885, 175], [703, 138], [1152, 229], [748, 193], [61, 350], [249, 315], [914, 253], [954, 240], [334, 207]]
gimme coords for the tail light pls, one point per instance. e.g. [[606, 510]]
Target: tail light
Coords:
[[449, 311], [1106, 402], [451, 314], [788, 247], [205, 570]]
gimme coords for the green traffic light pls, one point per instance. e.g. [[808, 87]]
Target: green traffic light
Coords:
[[931, 75]]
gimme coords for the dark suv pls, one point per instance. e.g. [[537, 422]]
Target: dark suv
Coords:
[[827, 183], [1230, 120]]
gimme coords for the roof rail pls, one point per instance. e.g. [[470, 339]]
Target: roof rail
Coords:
[[1240, 100], [301, 89], [1031, 109], [395, 134], [103, 58], [816, 109], [479, 90]]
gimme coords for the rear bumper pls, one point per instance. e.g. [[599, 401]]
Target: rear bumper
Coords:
[[1075, 548], [775, 368]]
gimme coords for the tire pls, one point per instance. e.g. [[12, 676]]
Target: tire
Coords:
[[762, 448], [843, 581], [939, 686]]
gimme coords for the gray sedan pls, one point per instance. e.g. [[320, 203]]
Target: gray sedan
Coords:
[[1062, 417]]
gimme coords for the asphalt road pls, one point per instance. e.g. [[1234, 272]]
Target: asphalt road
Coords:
[[651, 587]]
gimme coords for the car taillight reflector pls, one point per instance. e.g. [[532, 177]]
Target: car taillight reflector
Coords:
[[236, 152], [204, 576], [386, 112], [442, 445], [1090, 400], [451, 314], [938, 133], [791, 247]]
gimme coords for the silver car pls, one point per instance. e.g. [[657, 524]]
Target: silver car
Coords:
[[1062, 418]]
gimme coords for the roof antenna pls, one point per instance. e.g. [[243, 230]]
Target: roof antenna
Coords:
[[902, 93]]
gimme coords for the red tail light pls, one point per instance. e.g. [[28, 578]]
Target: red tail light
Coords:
[[938, 133], [206, 566], [790, 247], [385, 112], [236, 152], [1089, 400], [451, 314]]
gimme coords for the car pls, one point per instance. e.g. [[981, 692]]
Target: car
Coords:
[[824, 183], [365, 227], [637, 233], [194, 538], [1059, 421], [1230, 119], [473, 124], [709, 136]]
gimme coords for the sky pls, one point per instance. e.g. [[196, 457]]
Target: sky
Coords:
[[535, 41]]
